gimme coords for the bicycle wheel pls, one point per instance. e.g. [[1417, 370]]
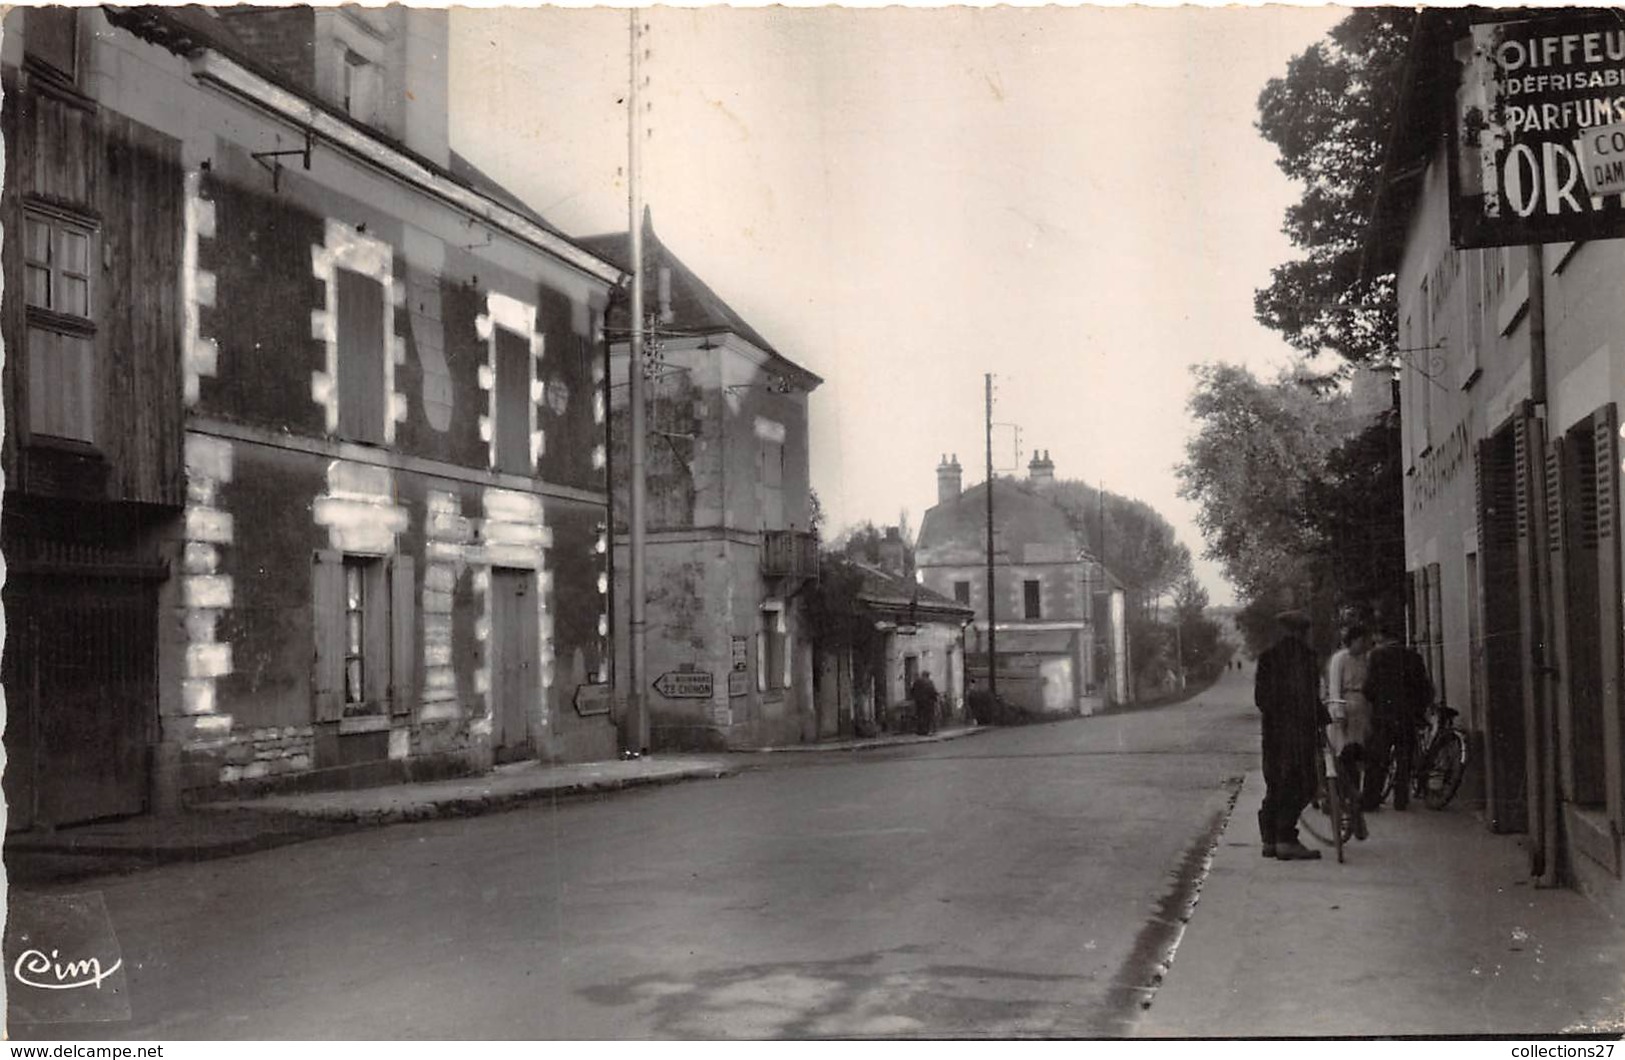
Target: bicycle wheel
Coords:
[[1324, 817], [1442, 774]]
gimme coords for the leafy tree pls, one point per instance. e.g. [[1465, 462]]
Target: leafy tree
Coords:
[[1136, 543], [1329, 117], [1254, 466], [863, 541], [1357, 512], [1201, 650], [834, 616]]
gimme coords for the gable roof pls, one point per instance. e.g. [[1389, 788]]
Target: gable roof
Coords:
[[885, 590], [957, 528], [696, 308]]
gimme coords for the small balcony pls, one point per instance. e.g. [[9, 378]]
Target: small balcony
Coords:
[[789, 554]]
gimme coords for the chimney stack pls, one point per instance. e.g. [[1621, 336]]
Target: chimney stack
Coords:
[[893, 556], [948, 479], [1041, 470]]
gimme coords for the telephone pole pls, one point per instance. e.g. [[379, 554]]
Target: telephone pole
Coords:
[[992, 609], [636, 736]]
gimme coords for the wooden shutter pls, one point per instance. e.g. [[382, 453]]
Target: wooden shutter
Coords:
[[327, 622], [513, 403], [1605, 432], [362, 404], [1528, 507], [1557, 642], [135, 285], [403, 635]]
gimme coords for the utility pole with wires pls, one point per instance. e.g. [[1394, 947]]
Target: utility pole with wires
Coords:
[[992, 608], [635, 734]]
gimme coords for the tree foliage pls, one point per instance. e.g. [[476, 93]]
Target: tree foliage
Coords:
[[1251, 467], [1300, 500], [835, 617], [1329, 117], [1129, 536], [1357, 513]]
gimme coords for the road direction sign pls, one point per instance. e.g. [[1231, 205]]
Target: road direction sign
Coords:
[[684, 684]]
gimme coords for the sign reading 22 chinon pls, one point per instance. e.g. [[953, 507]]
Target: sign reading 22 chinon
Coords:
[[1530, 89]]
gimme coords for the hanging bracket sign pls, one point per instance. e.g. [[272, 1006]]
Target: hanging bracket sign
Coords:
[[1534, 96]]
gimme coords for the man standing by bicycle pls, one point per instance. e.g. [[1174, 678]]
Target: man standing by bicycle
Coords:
[[1398, 687], [1286, 689]]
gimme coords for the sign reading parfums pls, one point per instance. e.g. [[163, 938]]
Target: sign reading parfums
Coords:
[[1530, 90]]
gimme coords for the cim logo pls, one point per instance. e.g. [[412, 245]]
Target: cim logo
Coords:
[[63, 960], [34, 968]]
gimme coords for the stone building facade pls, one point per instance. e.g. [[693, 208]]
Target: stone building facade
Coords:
[[730, 540], [310, 412]]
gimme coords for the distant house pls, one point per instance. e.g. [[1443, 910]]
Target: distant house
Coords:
[[730, 538], [916, 630], [1059, 632]]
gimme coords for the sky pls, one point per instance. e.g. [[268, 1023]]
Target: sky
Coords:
[[905, 199]]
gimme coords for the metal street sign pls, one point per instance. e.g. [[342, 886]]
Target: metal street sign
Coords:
[[1602, 155], [1530, 90], [590, 700], [684, 684]]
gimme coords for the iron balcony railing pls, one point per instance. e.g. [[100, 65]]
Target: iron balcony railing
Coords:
[[789, 554]]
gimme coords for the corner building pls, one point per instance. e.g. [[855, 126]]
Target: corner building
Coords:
[[306, 476]]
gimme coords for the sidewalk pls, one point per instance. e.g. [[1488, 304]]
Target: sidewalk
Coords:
[[871, 743], [1432, 927], [225, 829]]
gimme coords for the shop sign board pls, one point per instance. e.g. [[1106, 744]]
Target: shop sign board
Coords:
[[1530, 92]]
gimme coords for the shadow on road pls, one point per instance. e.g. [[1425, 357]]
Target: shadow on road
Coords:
[[871, 995]]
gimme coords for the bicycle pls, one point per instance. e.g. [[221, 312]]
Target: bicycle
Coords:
[[1330, 815], [1438, 759]]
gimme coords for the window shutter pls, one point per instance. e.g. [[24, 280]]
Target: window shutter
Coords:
[[403, 629], [362, 403], [762, 661], [1557, 635], [327, 614], [1527, 487], [1605, 432], [789, 662], [513, 371]]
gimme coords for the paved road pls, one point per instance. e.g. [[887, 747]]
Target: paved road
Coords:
[[1020, 882]]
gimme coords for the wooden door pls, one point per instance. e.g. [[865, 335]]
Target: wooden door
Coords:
[[514, 688], [81, 685]]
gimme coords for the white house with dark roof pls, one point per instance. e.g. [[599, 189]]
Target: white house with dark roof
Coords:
[[1059, 631]]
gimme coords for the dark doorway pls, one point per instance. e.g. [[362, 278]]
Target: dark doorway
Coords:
[[513, 662], [80, 674]]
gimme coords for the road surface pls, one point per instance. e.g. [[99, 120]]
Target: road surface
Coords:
[[1022, 882]]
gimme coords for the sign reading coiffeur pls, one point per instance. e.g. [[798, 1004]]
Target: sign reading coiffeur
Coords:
[[1530, 91]]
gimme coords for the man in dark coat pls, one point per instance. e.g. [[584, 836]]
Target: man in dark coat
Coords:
[[1286, 689], [924, 694], [1399, 689]]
